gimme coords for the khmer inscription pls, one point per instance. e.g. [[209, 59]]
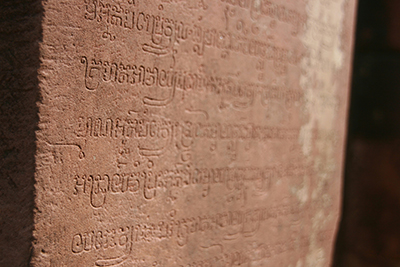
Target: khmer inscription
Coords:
[[243, 93], [138, 128], [166, 32], [190, 132], [235, 223], [148, 184]]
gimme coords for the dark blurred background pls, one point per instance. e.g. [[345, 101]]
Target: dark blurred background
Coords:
[[369, 232]]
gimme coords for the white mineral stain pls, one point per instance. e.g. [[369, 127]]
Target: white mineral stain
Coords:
[[322, 38], [299, 263], [302, 193]]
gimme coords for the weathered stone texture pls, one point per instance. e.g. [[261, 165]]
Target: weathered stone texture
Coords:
[[190, 133]]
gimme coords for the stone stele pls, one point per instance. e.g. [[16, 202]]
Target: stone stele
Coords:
[[191, 133]]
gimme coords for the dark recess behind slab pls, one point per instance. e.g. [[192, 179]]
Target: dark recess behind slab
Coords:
[[369, 233], [20, 34]]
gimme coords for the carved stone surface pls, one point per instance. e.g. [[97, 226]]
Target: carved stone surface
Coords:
[[191, 133]]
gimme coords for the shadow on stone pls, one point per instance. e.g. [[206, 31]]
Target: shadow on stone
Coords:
[[20, 35]]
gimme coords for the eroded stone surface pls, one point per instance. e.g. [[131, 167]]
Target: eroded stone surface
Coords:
[[191, 133]]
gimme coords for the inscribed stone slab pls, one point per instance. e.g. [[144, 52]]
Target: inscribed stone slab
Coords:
[[191, 133]]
